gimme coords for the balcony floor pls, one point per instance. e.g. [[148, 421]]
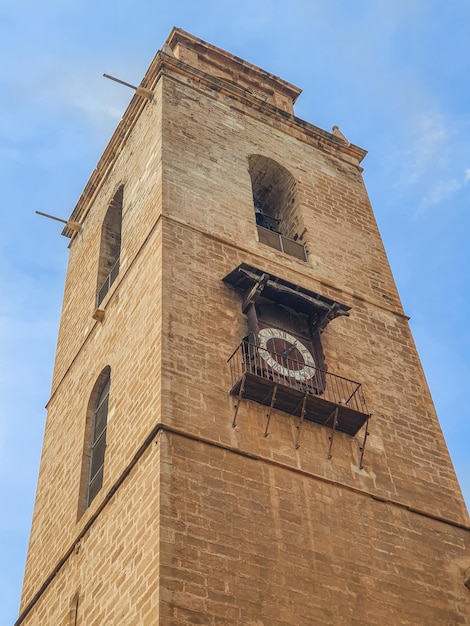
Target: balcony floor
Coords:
[[290, 399]]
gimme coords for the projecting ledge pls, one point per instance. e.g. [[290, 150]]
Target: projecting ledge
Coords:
[[291, 400]]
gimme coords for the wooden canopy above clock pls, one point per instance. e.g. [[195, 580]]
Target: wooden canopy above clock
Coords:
[[255, 284]]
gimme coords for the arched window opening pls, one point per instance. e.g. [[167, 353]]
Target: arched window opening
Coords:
[[94, 441], [110, 246], [275, 204], [98, 443]]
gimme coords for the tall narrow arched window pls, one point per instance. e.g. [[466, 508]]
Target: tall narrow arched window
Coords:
[[110, 246], [276, 209], [98, 443], [94, 446]]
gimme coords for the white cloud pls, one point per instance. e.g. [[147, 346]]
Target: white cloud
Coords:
[[426, 168], [441, 190], [100, 101], [429, 136]]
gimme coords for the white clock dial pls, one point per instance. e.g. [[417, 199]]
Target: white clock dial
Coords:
[[284, 368]]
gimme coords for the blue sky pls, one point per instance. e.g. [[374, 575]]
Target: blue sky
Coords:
[[393, 74]]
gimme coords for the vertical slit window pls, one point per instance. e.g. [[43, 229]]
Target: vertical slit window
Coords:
[[110, 246], [94, 442], [98, 443]]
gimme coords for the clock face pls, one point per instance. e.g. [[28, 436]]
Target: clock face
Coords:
[[286, 354]]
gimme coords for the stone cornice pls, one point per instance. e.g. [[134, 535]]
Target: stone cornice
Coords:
[[232, 67]]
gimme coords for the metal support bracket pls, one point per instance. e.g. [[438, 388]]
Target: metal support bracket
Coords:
[[301, 421], [240, 395], [331, 437], [363, 447], [268, 414]]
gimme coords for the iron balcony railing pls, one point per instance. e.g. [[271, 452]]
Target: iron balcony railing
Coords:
[[281, 382], [106, 286], [280, 242]]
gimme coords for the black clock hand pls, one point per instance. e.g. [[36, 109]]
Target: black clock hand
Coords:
[[288, 350]]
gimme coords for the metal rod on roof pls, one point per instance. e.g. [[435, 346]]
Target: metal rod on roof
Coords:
[[70, 224], [51, 217], [140, 91], [118, 80]]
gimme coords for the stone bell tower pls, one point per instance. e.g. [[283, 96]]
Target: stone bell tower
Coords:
[[239, 430]]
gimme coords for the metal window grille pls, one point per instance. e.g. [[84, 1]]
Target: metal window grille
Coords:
[[98, 444], [106, 286], [280, 242]]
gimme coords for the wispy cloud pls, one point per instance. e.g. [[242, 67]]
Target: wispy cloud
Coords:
[[440, 190], [428, 168], [431, 132], [93, 96]]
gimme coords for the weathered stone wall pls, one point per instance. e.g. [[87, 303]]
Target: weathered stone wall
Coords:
[[128, 340], [209, 228], [114, 569], [138, 169], [248, 541], [327, 553]]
